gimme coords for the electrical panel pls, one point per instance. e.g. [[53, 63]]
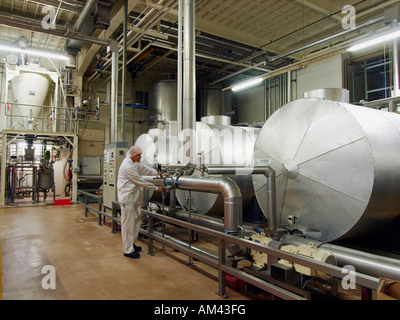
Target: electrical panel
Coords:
[[114, 154]]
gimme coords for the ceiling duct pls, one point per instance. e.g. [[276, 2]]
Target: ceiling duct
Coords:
[[88, 22], [102, 15]]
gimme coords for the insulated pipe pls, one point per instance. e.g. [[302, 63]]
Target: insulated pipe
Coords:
[[84, 14], [179, 96], [189, 79], [205, 221], [124, 63], [395, 63], [271, 191], [114, 92], [363, 262], [225, 186]]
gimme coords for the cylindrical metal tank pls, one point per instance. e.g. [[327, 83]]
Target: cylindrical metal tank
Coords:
[[337, 167], [213, 101], [163, 102], [335, 94], [221, 145], [223, 120], [45, 178], [30, 90]]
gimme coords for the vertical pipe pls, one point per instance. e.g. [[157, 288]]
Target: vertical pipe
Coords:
[[179, 85], [289, 86], [189, 80], [75, 169], [265, 100], [269, 98], [395, 63], [114, 91], [3, 167], [124, 59]]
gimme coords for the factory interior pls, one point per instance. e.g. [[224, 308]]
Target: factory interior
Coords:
[[273, 125]]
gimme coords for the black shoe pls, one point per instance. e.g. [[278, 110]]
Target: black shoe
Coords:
[[133, 255], [137, 248]]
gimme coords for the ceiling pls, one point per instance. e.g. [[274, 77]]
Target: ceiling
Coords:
[[235, 39]]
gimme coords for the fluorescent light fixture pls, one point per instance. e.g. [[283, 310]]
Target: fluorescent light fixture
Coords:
[[375, 41], [34, 52], [247, 84]]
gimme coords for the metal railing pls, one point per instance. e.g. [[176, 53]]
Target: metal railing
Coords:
[[219, 261], [223, 269]]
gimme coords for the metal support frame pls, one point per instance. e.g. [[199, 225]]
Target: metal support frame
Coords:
[[72, 139], [273, 286], [220, 262]]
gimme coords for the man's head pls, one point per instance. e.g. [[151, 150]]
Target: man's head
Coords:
[[135, 153]]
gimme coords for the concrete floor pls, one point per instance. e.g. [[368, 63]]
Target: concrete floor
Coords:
[[89, 263]]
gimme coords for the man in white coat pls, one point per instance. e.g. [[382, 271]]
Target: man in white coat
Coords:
[[130, 181]]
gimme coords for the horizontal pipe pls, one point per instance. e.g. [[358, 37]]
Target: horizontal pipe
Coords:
[[201, 220], [363, 25], [225, 186], [363, 262], [34, 25], [84, 15]]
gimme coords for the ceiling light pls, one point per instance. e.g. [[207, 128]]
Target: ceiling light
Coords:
[[369, 43], [247, 84], [34, 52]]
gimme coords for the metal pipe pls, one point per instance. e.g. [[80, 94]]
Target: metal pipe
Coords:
[[363, 25], [34, 25], [271, 187], [225, 186], [114, 92], [395, 64], [240, 72], [84, 14], [363, 262], [189, 78], [124, 63], [206, 221], [179, 98], [289, 86]]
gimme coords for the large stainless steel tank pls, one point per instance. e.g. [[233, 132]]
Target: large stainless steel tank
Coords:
[[221, 145], [337, 167], [163, 102]]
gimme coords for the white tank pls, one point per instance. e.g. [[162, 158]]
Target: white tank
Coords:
[[30, 90], [222, 145], [337, 168]]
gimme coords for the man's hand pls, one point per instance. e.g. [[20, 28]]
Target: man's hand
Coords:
[[159, 189]]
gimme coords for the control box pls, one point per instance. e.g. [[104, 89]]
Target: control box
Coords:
[[114, 154]]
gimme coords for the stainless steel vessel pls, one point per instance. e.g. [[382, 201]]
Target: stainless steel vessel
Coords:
[[221, 145], [162, 103], [337, 168]]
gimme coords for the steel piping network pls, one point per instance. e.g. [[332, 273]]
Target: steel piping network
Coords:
[[363, 262], [227, 187], [271, 191]]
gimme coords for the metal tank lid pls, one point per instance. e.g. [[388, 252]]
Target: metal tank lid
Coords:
[[216, 119]]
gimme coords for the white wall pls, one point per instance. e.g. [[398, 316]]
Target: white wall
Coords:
[[326, 73], [323, 74]]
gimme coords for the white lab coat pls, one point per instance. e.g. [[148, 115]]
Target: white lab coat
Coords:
[[129, 182]]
